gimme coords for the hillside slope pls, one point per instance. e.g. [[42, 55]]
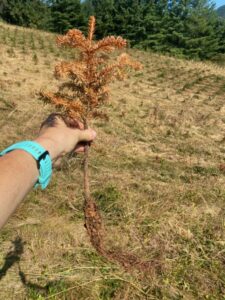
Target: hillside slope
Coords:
[[221, 11], [157, 169]]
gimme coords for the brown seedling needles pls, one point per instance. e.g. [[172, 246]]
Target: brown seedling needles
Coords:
[[81, 95]]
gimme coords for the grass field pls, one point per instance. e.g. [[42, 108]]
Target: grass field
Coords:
[[158, 175]]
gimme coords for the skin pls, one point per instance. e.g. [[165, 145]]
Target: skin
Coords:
[[18, 169]]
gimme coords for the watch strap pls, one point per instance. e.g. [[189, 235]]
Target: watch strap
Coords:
[[42, 157]]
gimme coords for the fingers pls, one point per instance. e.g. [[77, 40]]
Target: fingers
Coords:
[[51, 120], [57, 162], [79, 148], [67, 133], [87, 135], [57, 119]]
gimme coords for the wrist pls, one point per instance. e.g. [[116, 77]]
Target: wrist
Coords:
[[50, 145], [39, 152]]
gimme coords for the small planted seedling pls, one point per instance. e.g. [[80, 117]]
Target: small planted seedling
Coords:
[[11, 52], [35, 59], [82, 97]]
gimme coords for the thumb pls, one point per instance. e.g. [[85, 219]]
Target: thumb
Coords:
[[87, 135]]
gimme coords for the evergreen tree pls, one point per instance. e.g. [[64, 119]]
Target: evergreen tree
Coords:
[[182, 27], [66, 14], [129, 20], [3, 5], [104, 12], [87, 9], [201, 40], [220, 32], [221, 11], [28, 13], [156, 22]]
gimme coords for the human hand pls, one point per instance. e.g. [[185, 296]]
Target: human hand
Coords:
[[60, 135]]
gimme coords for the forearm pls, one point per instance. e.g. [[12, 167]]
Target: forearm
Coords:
[[18, 174], [19, 171]]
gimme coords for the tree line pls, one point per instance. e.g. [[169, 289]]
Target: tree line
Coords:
[[221, 11], [185, 28]]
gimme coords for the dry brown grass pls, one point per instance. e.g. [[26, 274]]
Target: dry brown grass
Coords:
[[156, 176]]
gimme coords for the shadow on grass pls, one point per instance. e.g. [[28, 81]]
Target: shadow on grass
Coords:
[[36, 289], [13, 257]]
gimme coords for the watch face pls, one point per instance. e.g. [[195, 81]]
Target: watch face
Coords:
[[42, 157]]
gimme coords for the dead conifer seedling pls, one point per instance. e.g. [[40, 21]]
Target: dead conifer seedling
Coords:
[[81, 97]]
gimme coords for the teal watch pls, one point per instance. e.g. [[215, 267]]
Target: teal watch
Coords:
[[42, 157]]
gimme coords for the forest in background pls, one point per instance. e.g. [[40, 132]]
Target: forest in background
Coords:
[[183, 28], [221, 11]]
